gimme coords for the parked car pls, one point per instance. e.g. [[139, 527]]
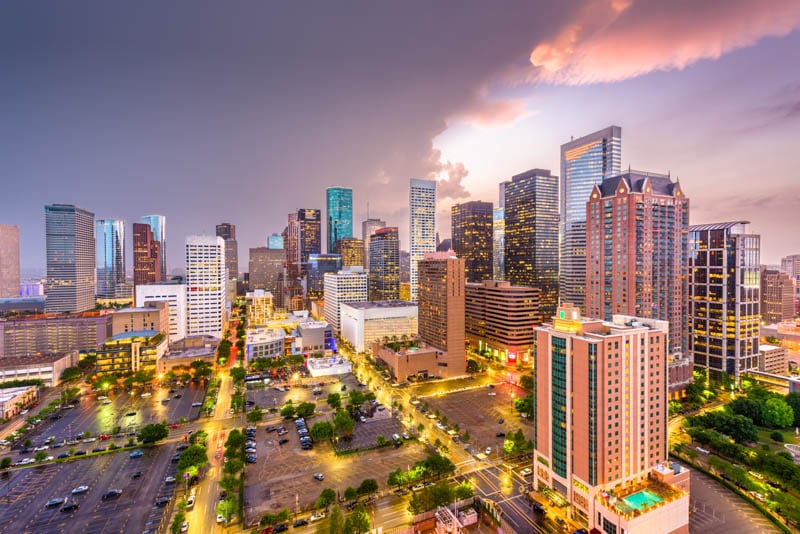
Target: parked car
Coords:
[[169, 480], [319, 476], [300, 523], [80, 489], [70, 507], [317, 516], [111, 494], [52, 503], [136, 474], [136, 454]]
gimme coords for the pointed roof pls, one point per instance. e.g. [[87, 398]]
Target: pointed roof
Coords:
[[637, 182]]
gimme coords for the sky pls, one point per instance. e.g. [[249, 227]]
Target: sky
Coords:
[[244, 111]]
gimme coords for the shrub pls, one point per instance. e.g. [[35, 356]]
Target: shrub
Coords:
[[776, 436]]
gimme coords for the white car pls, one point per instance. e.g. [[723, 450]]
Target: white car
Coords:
[[492, 394], [316, 516], [417, 487], [169, 480], [42, 448], [488, 451], [196, 404], [185, 526], [147, 394], [526, 472], [80, 489]]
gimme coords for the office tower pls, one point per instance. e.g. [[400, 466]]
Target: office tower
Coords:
[[499, 320], [422, 219], [531, 245], [441, 310], [146, 255], [206, 285], [351, 250], [637, 253], [600, 431], [110, 255], [384, 264], [308, 233], [70, 258], [275, 242], [265, 266], [174, 294], [292, 245], [724, 300], [227, 231], [340, 288], [498, 243], [791, 266], [472, 238], [777, 296], [9, 261], [158, 224], [585, 162], [339, 203], [368, 228], [318, 265]]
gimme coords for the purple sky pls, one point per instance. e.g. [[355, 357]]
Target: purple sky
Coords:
[[245, 111]]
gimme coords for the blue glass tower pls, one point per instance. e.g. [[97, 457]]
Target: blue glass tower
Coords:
[[340, 214], [110, 255]]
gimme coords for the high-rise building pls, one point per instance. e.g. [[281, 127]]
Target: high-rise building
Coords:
[[291, 244], [441, 310], [227, 231], [472, 238], [28, 335], [499, 320], [498, 243], [339, 203], [368, 228], [791, 266], [146, 255], [777, 296], [384, 264], [275, 242], [585, 162], [265, 266], [724, 300], [422, 219], [158, 224], [309, 237], [206, 285], [110, 255], [174, 294], [71, 269], [340, 288], [351, 250], [600, 431], [531, 230], [9, 261], [318, 266]]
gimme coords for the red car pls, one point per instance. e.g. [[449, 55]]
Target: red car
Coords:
[[174, 426], [103, 437]]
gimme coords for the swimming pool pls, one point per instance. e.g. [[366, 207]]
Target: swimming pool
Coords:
[[642, 500]]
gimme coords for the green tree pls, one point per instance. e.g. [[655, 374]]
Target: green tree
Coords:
[[194, 456], [777, 413], [336, 521], [238, 374], [288, 410], [70, 373], [749, 408], [334, 400], [321, 431], [256, 415], [305, 409], [369, 485], [27, 444], [526, 382], [227, 507], [439, 465], [524, 405], [326, 498], [463, 491], [6, 462], [153, 433], [233, 466], [41, 455], [350, 493], [177, 523], [343, 423], [397, 477], [793, 400], [359, 520], [380, 441], [356, 397], [229, 483]]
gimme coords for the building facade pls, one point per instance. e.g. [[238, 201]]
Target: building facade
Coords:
[[158, 225], [343, 287], [309, 237], [368, 227], [47, 368], [777, 296], [384, 264], [363, 323], [498, 243], [49, 334], [339, 204], [71, 269], [264, 342], [146, 255], [154, 316], [422, 232], [585, 162], [773, 359], [110, 256], [9, 261], [318, 266], [724, 297], [260, 306], [531, 234], [499, 320], [206, 286], [131, 352], [600, 429], [265, 267], [227, 231], [472, 227], [174, 295], [352, 251]]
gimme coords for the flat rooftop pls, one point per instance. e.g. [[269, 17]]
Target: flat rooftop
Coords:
[[380, 304], [9, 393], [9, 362], [135, 333]]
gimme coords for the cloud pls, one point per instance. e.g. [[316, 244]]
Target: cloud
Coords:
[[451, 186], [494, 112], [608, 40]]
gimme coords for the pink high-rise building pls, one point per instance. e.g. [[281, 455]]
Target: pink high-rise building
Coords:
[[9, 261]]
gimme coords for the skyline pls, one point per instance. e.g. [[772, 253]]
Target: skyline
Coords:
[[214, 115]]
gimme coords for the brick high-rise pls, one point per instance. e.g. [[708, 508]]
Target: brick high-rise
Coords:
[[146, 255]]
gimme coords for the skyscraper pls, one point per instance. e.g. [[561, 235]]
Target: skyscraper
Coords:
[[340, 288], [71, 268], [265, 266], [158, 224], [791, 266], [227, 231], [206, 285], [309, 237], [275, 241], [637, 253], [9, 261], [472, 238], [146, 255], [422, 219], [585, 162], [531, 230], [292, 245], [352, 251], [340, 214], [110, 255], [600, 423], [724, 300], [498, 243], [384, 264], [318, 265], [368, 228], [777, 296]]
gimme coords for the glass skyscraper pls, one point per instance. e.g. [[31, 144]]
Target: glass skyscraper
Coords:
[[584, 162], [110, 255], [158, 224], [71, 269], [422, 220], [472, 238], [340, 214], [275, 242], [384, 264]]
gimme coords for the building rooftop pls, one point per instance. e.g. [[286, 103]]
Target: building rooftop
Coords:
[[137, 310], [380, 304], [662, 184], [717, 226], [768, 348], [135, 333], [9, 393], [264, 335], [17, 361]]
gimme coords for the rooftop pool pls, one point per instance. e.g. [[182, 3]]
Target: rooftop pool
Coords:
[[642, 500]]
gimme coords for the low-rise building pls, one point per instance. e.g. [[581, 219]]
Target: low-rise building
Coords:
[[153, 316], [182, 353], [365, 322], [413, 360], [773, 359], [54, 333], [264, 343], [131, 352], [47, 368], [260, 305], [174, 294], [335, 365], [14, 400], [315, 336]]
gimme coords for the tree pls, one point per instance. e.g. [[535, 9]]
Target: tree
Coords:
[[233, 466], [41, 455], [749, 408], [349, 494], [356, 397], [305, 409], [465, 437], [229, 483], [463, 491], [793, 400], [153, 433], [326, 498], [343, 423], [70, 373], [194, 456], [334, 400], [238, 374], [524, 405], [288, 410], [6, 462], [359, 520], [439, 465], [526, 382], [369, 485], [256, 415], [27, 444], [321, 431], [776, 413], [177, 523], [227, 507], [336, 521], [380, 441]]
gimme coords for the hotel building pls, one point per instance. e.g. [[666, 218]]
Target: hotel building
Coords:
[[341, 288], [206, 286], [422, 221]]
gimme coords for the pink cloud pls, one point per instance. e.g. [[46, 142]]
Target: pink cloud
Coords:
[[494, 112], [451, 185], [611, 40]]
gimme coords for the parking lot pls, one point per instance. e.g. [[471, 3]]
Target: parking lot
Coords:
[[301, 390], [25, 492]]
